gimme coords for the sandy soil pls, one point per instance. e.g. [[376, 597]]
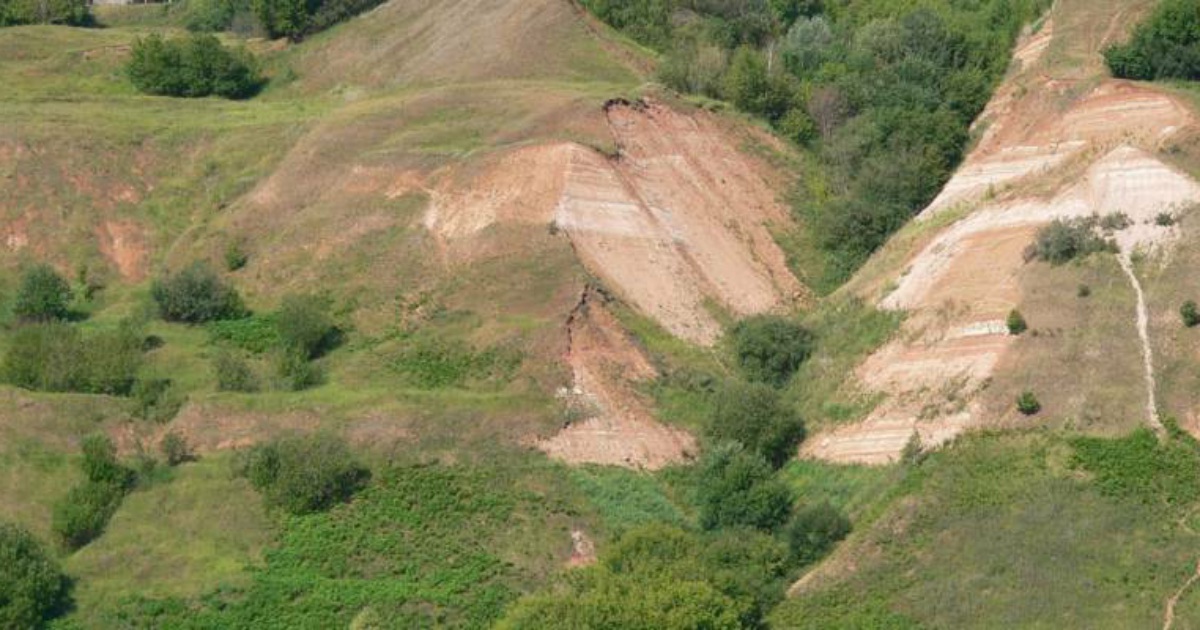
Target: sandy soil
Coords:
[[1046, 154], [611, 422], [679, 217]]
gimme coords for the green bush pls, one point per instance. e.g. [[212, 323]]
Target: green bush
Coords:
[[1142, 468], [157, 399], [1190, 314], [297, 373], [755, 415], [303, 474], [69, 12], [1067, 239], [737, 489], [305, 328], [1028, 404], [1165, 46], [175, 449], [55, 357], [100, 463], [233, 373], [296, 19], [32, 586], [196, 295], [83, 514], [814, 530], [43, 296], [1016, 322], [235, 256], [770, 349], [192, 66]]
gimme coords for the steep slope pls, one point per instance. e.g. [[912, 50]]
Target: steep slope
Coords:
[[1059, 141]]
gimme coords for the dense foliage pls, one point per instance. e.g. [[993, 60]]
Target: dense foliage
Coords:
[[196, 295], [770, 348], [57, 357], [304, 474], [756, 416], [737, 489], [660, 576], [882, 91], [43, 296], [193, 66], [32, 586], [82, 515], [305, 327], [1143, 468], [70, 12], [296, 19], [814, 530], [1165, 46]]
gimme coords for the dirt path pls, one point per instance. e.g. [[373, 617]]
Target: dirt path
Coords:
[[1143, 326], [1169, 613]]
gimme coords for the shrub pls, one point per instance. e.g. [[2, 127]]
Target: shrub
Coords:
[[814, 530], [1164, 219], [255, 333], [196, 295], [83, 514], [235, 256], [297, 373], [32, 586], [770, 349], [233, 373], [100, 463], [55, 357], [1165, 46], [175, 449], [305, 327], [1189, 314], [1084, 291], [157, 399], [1066, 240], [755, 415], [304, 474], [1016, 322], [737, 489], [69, 12], [192, 66], [43, 296], [1027, 403]]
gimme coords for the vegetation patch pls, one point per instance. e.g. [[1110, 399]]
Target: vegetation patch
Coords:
[[1165, 46]]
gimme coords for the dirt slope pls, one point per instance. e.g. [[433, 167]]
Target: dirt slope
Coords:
[[1054, 148]]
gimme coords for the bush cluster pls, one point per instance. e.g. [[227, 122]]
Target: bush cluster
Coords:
[[82, 516], [738, 489], [32, 585], [1065, 240], [1165, 46], [196, 295], [1190, 314], [69, 12], [193, 66], [43, 295], [770, 348], [57, 357], [303, 474], [756, 416]]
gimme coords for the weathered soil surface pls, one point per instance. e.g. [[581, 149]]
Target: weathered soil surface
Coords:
[[1052, 149], [609, 422], [678, 217]]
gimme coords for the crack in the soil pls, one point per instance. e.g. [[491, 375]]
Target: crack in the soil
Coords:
[[1169, 613], [1143, 326]]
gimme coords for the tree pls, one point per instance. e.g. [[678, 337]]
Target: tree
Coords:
[[754, 415], [770, 348], [83, 514], [196, 295], [814, 530], [193, 66], [304, 474], [43, 296], [175, 449], [32, 586], [737, 489], [746, 80]]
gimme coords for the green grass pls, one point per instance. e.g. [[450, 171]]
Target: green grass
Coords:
[[1009, 531], [176, 538], [624, 498]]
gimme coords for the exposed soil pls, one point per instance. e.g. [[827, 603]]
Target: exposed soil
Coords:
[[678, 217], [583, 550], [609, 422]]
